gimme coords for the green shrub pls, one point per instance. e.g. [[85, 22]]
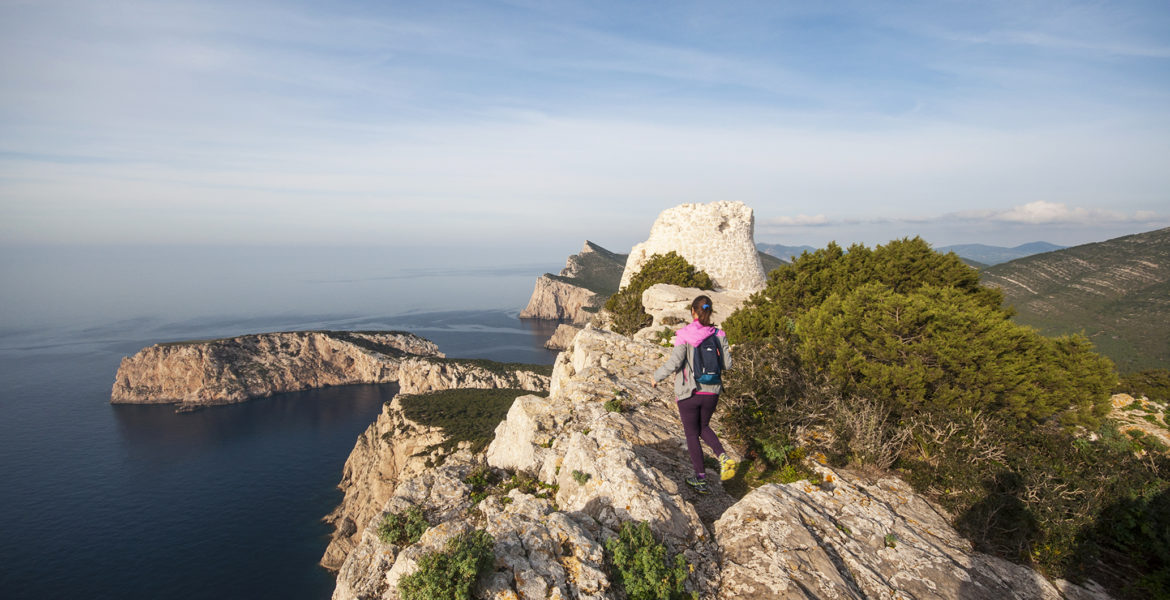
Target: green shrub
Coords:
[[901, 265], [581, 477], [626, 306], [403, 529], [450, 574], [642, 567], [942, 348], [481, 479], [614, 405]]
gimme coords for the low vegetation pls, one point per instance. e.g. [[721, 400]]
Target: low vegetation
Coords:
[[1154, 384], [486, 481], [642, 566], [626, 306], [451, 573], [897, 359], [404, 528], [465, 415]]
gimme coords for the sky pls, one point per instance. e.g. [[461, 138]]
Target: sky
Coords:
[[542, 124]]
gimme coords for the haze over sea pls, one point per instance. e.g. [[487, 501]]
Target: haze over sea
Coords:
[[104, 501]]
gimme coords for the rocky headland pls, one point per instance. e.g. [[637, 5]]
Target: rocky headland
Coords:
[[838, 537], [211, 372], [574, 295]]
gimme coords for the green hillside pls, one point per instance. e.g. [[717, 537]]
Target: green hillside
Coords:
[[1117, 292]]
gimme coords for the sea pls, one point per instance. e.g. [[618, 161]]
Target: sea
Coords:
[[122, 501]]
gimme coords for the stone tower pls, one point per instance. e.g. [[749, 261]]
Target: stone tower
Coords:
[[718, 238]]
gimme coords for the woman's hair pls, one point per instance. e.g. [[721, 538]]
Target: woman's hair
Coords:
[[702, 309]]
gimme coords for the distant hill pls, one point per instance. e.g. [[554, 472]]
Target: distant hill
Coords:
[[994, 255], [784, 253], [1117, 292], [770, 262]]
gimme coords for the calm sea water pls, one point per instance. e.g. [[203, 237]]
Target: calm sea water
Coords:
[[104, 501]]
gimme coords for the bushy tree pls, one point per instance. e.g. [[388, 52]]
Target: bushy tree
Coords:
[[935, 347], [626, 306], [902, 265], [897, 358]]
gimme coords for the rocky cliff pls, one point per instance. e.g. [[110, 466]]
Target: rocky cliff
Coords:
[[717, 238], [211, 372], [587, 279], [836, 538], [392, 449], [557, 300]]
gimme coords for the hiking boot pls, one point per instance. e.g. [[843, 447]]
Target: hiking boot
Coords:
[[726, 467], [699, 485]]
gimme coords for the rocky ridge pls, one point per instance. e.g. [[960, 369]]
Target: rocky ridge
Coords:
[[225, 371], [838, 538]]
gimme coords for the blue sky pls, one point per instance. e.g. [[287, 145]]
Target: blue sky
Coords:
[[546, 123]]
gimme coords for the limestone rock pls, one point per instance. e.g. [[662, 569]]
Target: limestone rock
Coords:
[[846, 539], [205, 373], [1130, 419], [392, 449], [557, 300], [670, 306], [562, 337], [251, 366], [717, 238]]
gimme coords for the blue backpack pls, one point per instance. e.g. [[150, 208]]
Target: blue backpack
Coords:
[[708, 361]]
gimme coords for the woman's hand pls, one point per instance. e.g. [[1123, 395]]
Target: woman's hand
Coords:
[[653, 384]]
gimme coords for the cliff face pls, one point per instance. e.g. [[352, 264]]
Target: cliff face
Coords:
[[837, 539], [392, 449], [588, 278], [556, 300], [206, 373]]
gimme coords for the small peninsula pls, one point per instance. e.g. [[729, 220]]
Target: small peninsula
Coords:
[[200, 373]]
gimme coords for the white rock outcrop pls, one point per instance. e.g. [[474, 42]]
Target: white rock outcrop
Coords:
[[670, 306], [562, 337], [718, 238]]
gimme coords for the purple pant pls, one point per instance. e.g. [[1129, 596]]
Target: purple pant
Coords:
[[695, 413]]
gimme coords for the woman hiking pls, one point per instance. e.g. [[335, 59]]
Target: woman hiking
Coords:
[[696, 400]]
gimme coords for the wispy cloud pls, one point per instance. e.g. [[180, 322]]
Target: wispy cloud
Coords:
[[1056, 213], [212, 121], [1035, 213], [796, 221]]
